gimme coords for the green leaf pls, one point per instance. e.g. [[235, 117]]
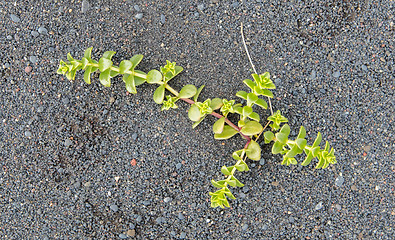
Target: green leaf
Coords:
[[269, 136], [105, 77], [154, 76], [285, 129], [238, 183], [251, 98], [267, 93], [231, 182], [308, 159], [218, 126], [129, 83], [247, 110], [104, 64], [236, 156], [69, 57], [251, 128], [225, 171], [125, 66], [194, 113], [228, 132], [217, 185], [277, 147], [87, 75], [242, 94], [253, 151], [262, 103], [216, 103], [195, 98], [113, 73], [229, 193], [282, 137], [187, 91], [242, 166], [317, 141], [238, 110], [108, 54], [159, 94], [88, 53], [84, 62], [249, 83], [195, 124], [255, 116], [301, 143], [292, 153], [302, 132], [138, 80], [136, 59]]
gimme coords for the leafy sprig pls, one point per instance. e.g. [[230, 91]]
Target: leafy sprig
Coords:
[[248, 125]]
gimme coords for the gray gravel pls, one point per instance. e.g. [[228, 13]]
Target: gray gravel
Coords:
[[70, 152]]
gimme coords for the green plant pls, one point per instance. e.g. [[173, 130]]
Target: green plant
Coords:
[[248, 126]]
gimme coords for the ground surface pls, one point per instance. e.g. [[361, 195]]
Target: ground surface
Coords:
[[67, 148]]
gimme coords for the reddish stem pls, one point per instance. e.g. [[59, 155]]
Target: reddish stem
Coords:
[[217, 115]]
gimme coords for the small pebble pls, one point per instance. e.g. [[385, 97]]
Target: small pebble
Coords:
[[160, 220], [65, 100], [167, 199], [200, 7], [85, 6], [242, 195], [9, 37], [137, 8], [318, 206], [258, 209], [15, 18], [33, 59], [338, 207], [42, 30], [162, 19], [313, 75], [354, 188], [183, 235], [336, 74], [364, 67], [34, 33], [139, 218], [235, 4], [131, 232], [291, 220], [68, 142], [244, 227], [28, 69], [265, 227], [178, 165], [277, 81], [146, 202], [139, 16], [134, 136], [123, 236], [28, 134], [114, 207], [339, 181], [7, 65], [262, 161], [180, 216]]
